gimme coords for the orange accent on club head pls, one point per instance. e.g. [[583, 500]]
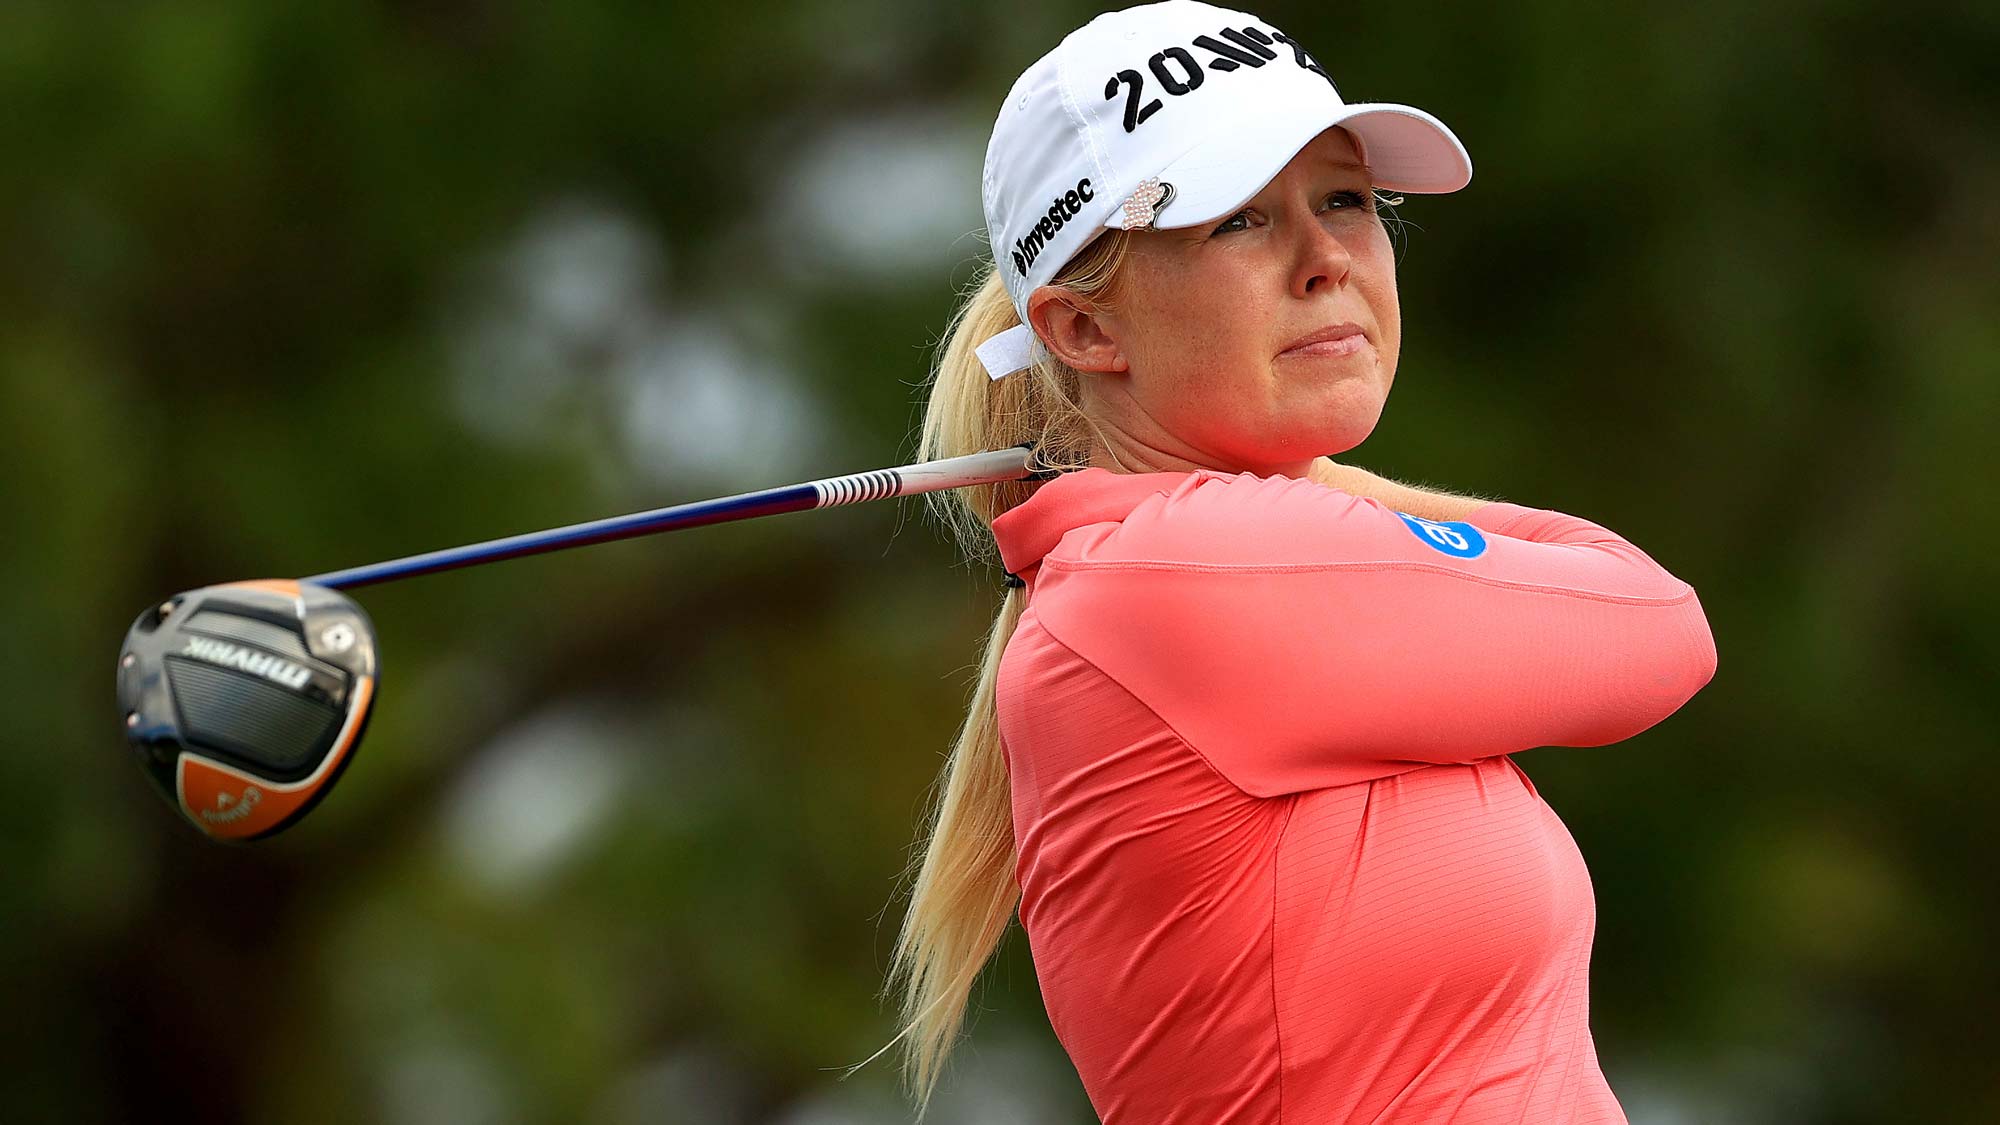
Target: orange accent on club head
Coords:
[[283, 587], [229, 804]]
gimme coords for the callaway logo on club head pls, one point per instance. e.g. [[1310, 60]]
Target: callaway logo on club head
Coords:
[[275, 669], [229, 808]]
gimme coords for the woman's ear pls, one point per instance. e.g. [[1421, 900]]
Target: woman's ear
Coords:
[[1073, 330]]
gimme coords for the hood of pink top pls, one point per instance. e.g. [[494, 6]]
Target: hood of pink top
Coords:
[[1030, 530]]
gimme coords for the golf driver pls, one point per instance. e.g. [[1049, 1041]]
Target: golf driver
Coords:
[[245, 701]]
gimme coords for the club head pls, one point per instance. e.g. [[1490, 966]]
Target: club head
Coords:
[[245, 701]]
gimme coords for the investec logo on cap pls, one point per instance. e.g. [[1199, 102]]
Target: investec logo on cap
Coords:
[[1060, 212]]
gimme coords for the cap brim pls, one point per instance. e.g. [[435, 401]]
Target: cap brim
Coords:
[[1406, 150]]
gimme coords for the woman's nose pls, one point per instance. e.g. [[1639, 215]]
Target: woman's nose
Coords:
[[1323, 259]]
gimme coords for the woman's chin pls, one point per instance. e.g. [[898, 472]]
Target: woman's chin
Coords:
[[1349, 416]]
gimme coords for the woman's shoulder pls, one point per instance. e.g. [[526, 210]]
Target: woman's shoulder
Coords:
[[1208, 516]]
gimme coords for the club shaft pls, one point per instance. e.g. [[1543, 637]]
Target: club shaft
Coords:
[[877, 484]]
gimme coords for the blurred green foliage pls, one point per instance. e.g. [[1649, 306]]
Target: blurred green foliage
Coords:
[[290, 286]]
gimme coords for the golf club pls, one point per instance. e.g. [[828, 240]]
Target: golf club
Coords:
[[245, 701]]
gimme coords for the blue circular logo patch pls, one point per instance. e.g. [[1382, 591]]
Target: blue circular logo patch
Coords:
[[1456, 538]]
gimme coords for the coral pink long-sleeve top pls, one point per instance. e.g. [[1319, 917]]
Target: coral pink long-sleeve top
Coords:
[[1275, 863]]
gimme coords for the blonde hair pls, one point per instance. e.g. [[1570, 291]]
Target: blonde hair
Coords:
[[964, 891]]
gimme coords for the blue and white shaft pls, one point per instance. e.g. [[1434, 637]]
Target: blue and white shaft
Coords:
[[876, 484]]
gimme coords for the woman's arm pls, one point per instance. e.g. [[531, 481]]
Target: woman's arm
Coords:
[[1299, 636], [1422, 503]]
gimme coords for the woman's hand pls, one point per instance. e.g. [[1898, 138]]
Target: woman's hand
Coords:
[[1327, 471]]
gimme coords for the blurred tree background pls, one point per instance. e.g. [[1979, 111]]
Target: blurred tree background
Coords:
[[290, 286]]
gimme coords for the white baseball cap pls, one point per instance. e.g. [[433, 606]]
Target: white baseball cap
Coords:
[[1169, 115]]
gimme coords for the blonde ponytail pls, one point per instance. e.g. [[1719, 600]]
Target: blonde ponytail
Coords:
[[964, 892]]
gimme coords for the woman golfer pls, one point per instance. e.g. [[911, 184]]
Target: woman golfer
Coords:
[[1239, 749]]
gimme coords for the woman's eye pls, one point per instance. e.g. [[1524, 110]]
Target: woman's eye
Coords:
[[1346, 199]]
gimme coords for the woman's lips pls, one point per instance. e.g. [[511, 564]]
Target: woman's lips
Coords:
[[1349, 344]]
